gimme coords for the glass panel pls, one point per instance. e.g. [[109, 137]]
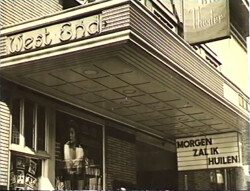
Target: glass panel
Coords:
[[15, 121], [78, 154], [28, 123], [24, 173], [40, 128]]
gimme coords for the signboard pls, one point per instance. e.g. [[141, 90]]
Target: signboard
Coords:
[[210, 151], [54, 34], [206, 20]]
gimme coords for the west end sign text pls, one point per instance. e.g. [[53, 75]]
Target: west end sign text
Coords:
[[55, 34]]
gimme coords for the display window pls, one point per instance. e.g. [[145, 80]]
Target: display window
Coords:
[[28, 124], [28, 146], [78, 153], [24, 173]]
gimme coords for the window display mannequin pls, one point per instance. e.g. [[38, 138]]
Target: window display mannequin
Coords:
[[74, 160]]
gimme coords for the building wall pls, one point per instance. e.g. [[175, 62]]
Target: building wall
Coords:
[[120, 159], [16, 11], [4, 142], [234, 61]]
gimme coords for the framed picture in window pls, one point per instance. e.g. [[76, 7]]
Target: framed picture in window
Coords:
[[30, 181], [20, 177], [32, 167], [20, 163]]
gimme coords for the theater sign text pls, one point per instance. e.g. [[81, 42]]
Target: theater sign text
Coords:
[[211, 151], [206, 20], [53, 34]]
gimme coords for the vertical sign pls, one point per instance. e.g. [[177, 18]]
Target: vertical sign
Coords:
[[206, 20], [210, 151]]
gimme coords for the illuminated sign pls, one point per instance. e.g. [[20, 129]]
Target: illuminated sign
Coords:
[[54, 34], [206, 20], [211, 151]]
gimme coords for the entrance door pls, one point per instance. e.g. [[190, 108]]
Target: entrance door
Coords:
[[224, 179]]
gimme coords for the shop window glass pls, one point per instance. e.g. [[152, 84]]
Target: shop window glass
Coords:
[[78, 154], [28, 123], [33, 117], [15, 121], [24, 173], [40, 128]]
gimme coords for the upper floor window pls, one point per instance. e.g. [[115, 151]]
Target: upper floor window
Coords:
[[28, 124], [73, 3]]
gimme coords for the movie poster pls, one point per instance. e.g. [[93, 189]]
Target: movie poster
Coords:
[[24, 173]]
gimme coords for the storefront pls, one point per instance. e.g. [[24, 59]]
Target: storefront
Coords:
[[63, 147], [109, 96]]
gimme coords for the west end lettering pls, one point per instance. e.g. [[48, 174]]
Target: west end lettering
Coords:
[[52, 35], [20, 43]]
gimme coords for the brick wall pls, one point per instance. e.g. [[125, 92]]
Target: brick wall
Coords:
[[120, 158], [197, 180]]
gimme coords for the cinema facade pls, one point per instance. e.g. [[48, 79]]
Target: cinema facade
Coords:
[[153, 108]]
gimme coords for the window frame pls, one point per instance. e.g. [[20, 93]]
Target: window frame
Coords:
[[23, 149]]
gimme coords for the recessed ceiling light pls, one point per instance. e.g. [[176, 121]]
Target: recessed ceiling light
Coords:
[[90, 72], [129, 91]]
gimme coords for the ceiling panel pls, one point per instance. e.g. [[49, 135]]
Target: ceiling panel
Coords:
[[173, 112], [159, 106], [69, 89], [109, 94], [68, 75], [47, 80], [194, 124], [167, 120], [201, 116], [124, 111], [114, 66], [165, 96], [145, 99], [191, 110], [150, 87], [90, 97], [129, 91], [90, 85], [126, 102], [180, 103], [141, 109], [111, 82], [187, 130], [137, 117], [184, 118], [153, 115], [211, 121], [108, 105], [90, 71], [221, 126], [150, 122], [134, 77]]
